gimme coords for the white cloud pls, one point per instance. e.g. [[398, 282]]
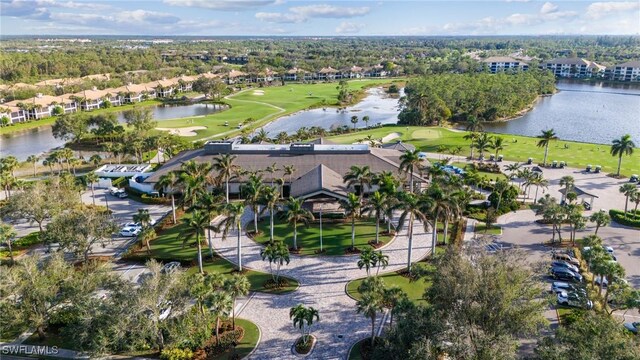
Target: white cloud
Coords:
[[349, 28], [223, 5], [329, 11], [282, 18], [599, 10], [39, 9], [548, 8]]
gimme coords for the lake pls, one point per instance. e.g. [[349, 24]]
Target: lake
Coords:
[[588, 112], [41, 140]]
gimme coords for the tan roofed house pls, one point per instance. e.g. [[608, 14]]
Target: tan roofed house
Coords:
[[573, 67], [628, 71], [498, 64]]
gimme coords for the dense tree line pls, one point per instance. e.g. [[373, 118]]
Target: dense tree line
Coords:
[[434, 99]]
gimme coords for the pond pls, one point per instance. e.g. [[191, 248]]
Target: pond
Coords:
[[378, 105], [40, 140]]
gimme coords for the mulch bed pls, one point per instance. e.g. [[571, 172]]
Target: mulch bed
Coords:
[[320, 252], [271, 284], [376, 245], [295, 251], [366, 349], [352, 251], [302, 348]]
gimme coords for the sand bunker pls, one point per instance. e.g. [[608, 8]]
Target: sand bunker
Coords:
[[185, 131], [390, 137], [258, 92]]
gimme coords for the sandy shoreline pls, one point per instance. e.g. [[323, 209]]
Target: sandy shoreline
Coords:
[[184, 131]]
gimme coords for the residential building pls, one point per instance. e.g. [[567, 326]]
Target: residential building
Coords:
[[14, 113], [498, 64], [94, 98], [629, 71], [236, 76], [376, 71], [295, 74], [327, 73], [354, 72], [164, 87], [573, 68]]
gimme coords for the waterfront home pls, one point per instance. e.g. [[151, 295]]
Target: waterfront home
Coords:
[[498, 64], [327, 73], [376, 71], [354, 72], [94, 98], [133, 93], [236, 76], [185, 83], [296, 74], [164, 87], [573, 68], [14, 113], [318, 166], [629, 71]]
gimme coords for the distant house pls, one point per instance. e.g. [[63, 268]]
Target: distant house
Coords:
[[185, 83], [573, 68], [629, 71], [236, 76], [164, 87], [498, 64], [327, 73], [376, 71], [94, 98], [14, 113], [133, 93], [354, 72]]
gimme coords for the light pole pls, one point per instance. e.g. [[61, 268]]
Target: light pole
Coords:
[[106, 201], [321, 228]]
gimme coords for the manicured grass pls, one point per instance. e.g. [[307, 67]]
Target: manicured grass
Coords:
[[355, 350], [483, 174], [168, 247], [50, 120], [493, 230], [247, 344], [414, 289], [276, 101], [577, 154], [22, 244], [336, 237]]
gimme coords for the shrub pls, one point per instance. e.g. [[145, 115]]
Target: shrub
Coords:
[[118, 181], [28, 240], [631, 219], [176, 354]]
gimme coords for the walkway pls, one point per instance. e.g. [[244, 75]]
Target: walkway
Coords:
[[322, 285]]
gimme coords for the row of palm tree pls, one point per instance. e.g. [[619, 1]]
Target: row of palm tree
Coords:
[[482, 141]]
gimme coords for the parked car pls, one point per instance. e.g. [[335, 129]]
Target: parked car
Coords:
[[496, 246], [170, 267], [573, 300], [132, 224], [599, 279], [130, 231], [560, 286], [565, 274], [114, 190], [566, 258], [608, 249], [634, 327], [566, 265], [122, 194]]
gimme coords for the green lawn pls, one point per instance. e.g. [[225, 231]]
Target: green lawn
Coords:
[[274, 102], [576, 154], [493, 230], [168, 247], [355, 350], [248, 342], [414, 289], [336, 237]]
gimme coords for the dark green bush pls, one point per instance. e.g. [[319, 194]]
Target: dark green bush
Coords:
[[632, 217]]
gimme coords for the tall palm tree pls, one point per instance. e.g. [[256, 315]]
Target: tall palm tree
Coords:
[[224, 166], [9, 164], [375, 206], [410, 161], [195, 226], [471, 137], [33, 159], [237, 285], [252, 191], [391, 297], [497, 145], [271, 170], [369, 305], [192, 187], [411, 206], [568, 182], [513, 169], [366, 119], [381, 260], [622, 146], [7, 237], [539, 182], [483, 143], [168, 183], [474, 124], [354, 121], [91, 179], [368, 259], [295, 214], [288, 171], [220, 304], [232, 213], [628, 190], [303, 318], [351, 208], [210, 205], [437, 205], [359, 176], [276, 252], [545, 139], [270, 200]]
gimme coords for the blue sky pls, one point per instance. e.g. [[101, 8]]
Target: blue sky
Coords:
[[317, 18]]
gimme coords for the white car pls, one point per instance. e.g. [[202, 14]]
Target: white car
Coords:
[[131, 225], [170, 267], [130, 231], [574, 300]]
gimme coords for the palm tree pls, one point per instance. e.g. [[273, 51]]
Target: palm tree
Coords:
[[410, 206], [368, 259], [276, 252], [252, 191], [409, 162], [8, 236], [92, 178], [233, 219], [195, 226], [351, 208], [391, 297], [482, 143], [359, 176], [437, 205], [270, 200], [303, 318], [628, 190], [143, 218], [295, 214], [635, 198], [210, 205], [375, 206], [513, 169], [146, 235], [236, 286], [33, 159], [224, 166], [366, 120], [220, 304], [9, 164], [272, 169], [622, 146], [474, 124], [95, 159], [354, 121], [601, 218], [66, 154], [369, 305], [288, 171], [539, 182], [381, 261], [568, 182], [471, 137], [545, 139], [497, 145], [168, 183]]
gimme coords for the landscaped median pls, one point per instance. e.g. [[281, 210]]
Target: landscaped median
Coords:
[[168, 246], [630, 218]]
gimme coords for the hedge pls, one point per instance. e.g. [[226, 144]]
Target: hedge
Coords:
[[631, 218], [146, 198]]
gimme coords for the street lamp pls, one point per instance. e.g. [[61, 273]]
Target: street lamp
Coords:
[[321, 228]]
